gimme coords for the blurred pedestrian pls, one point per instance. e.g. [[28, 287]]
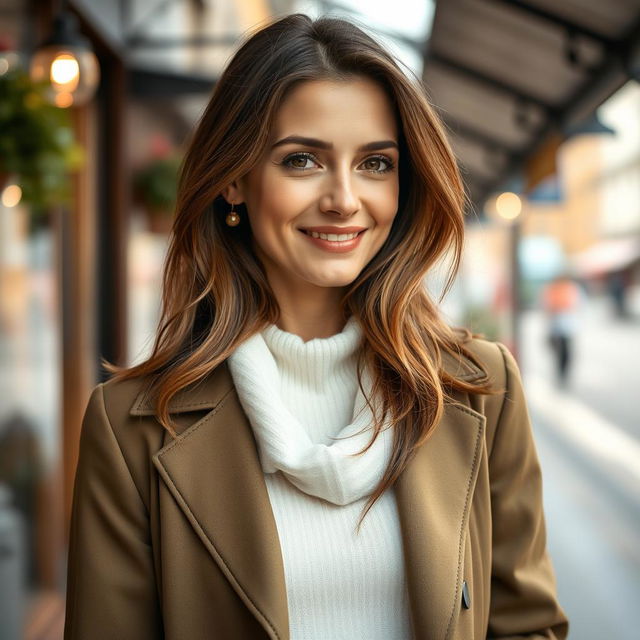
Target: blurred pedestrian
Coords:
[[617, 287], [561, 299], [302, 376]]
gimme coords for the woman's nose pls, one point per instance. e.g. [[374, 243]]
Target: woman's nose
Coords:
[[341, 196]]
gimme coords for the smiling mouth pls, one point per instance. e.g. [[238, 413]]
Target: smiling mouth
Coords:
[[333, 237]]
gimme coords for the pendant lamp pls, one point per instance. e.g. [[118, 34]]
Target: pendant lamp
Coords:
[[66, 63]]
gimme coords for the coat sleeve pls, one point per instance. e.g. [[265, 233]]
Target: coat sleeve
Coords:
[[523, 585], [111, 591]]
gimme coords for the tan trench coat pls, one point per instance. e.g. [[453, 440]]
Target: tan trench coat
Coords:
[[176, 538]]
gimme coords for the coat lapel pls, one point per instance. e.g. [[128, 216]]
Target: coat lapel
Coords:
[[213, 472], [433, 495]]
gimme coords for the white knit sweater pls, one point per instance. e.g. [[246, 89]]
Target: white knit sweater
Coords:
[[340, 585]]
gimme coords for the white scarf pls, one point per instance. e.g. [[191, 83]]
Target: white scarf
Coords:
[[328, 472]]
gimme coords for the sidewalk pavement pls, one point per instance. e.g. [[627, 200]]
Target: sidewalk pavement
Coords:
[[588, 440]]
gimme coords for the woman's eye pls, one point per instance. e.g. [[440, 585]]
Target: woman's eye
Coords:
[[378, 164], [299, 161], [306, 161]]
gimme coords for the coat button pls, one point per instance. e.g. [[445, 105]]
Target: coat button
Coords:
[[466, 598]]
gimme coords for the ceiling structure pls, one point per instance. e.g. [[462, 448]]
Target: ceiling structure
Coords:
[[507, 76]]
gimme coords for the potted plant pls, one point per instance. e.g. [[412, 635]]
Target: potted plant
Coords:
[[37, 144], [155, 186]]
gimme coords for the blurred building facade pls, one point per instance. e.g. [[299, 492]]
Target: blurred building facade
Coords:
[[68, 273]]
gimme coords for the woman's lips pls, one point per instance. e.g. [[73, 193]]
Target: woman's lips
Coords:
[[335, 246]]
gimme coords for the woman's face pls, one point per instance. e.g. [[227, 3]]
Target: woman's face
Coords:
[[331, 166]]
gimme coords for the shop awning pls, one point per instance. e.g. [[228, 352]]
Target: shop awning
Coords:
[[509, 76], [606, 257]]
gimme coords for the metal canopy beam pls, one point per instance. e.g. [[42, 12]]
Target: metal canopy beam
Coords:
[[606, 80], [147, 83], [479, 137], [143, 42], [484, 78], [559, 21]]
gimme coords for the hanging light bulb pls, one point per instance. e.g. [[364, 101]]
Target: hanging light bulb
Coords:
[[66, 63]]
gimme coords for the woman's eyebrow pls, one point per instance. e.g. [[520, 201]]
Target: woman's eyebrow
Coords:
[[378, 145], [321, 144]]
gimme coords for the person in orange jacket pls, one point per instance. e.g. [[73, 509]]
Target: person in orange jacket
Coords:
[[561, 299]]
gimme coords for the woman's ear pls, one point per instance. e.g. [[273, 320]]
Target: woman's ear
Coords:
[[233, 193]]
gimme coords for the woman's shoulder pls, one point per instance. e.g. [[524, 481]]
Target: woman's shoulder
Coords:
[[109, 416], [494, 357], [121, 421], [478, 357], [120, 394], [129, 404], [113, 404], [115, 398], [114, 437], [496, 361]]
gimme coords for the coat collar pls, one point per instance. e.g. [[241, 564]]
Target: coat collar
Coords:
[[219, 451], [208, 392]]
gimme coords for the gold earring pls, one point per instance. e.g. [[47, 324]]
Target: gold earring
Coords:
[[233, 219]]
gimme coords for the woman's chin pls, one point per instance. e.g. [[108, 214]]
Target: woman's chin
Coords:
[[334, 280]]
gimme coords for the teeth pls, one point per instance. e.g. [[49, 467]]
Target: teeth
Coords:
[[333, 236]]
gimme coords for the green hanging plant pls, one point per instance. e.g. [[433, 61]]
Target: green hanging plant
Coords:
[[156, 184], [37, 142], [155, 187]]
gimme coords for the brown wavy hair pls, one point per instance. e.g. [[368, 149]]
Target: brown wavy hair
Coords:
[[215, 290]]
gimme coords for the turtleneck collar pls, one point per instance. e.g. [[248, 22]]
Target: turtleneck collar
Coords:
[[329, 472], [318, 358]]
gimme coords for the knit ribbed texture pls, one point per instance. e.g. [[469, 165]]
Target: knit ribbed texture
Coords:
[[330, 471], [340, 585]]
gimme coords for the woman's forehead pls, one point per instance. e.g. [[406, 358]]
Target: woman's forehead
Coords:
[[330, 108]]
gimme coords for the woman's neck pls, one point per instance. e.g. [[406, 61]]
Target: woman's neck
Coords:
[[310, 312], [309, 328]]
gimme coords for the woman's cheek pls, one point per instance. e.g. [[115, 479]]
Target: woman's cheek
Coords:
[[384, 199]]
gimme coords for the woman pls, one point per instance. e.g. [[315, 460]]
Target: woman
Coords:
[[218, 491]]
